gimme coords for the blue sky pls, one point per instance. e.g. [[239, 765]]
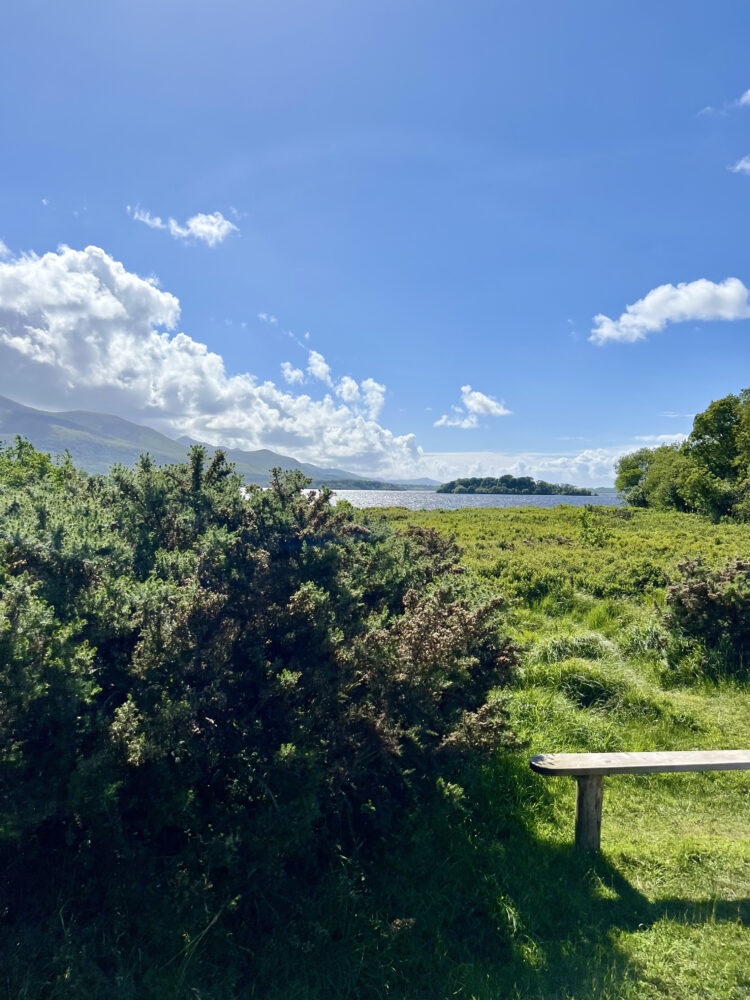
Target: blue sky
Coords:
[[436, 199]]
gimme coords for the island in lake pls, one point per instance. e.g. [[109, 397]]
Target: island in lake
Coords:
[[519, 485]]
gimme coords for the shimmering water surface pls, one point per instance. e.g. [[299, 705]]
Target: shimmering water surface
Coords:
[[428, 500]]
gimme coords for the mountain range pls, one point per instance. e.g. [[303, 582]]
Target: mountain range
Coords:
[[96, 441]]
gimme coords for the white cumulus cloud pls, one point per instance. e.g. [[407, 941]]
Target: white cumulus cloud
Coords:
[[477, 402], [208, 227], [744, 100], [369, 396], [77, 329], [374, 395], [474, 405], [348, 389], [694, 300], [291, 374], [318, 367]]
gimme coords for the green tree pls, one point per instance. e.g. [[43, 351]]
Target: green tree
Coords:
[[631, 470], [707, 474], [713, 441]]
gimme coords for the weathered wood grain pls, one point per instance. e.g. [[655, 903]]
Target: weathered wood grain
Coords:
[[589, 812], [579, 764]]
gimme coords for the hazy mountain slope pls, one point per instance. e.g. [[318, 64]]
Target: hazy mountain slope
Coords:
[[98, 440], [422, 481]]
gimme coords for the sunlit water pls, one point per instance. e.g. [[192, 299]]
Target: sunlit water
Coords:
[[428, 500]]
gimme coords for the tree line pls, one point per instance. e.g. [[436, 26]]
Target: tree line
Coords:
[[708, 473], [514, 485]]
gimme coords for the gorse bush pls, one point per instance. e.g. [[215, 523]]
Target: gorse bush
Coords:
[[209, 692], [712, 607]]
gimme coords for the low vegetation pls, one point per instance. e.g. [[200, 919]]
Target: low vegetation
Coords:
[[514, 485], [263, 747]]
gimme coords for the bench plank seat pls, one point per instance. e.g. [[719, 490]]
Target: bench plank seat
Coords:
[[578, 764], [590, 769]]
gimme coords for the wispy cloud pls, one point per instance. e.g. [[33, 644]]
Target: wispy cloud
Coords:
[[266, 317], [694, 300], [466, 421], [660, 438], [211, 228], [4, 250], [741, 166], [743, 101]]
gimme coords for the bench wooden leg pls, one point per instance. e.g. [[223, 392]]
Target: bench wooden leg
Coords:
[[589, 812]]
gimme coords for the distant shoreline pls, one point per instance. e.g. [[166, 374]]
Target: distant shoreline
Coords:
[[432, 500]]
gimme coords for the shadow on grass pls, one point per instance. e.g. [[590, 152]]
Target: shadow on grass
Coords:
[[467, 902], [472, 904], [572, 908]]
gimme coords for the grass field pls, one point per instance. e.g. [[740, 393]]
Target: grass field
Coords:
[[486, 899]]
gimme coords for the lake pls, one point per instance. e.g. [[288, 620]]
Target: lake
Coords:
[[429, 500]]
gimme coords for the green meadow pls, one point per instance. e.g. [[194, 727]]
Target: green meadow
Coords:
[[487, 899]]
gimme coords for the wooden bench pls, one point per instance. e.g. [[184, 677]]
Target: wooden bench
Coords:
[[590, 769]]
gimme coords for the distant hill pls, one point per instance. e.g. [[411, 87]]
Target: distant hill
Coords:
[[99, 440], [424, 482], [605, 491]]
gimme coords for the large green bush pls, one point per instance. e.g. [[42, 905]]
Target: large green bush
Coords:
[[207, 692]]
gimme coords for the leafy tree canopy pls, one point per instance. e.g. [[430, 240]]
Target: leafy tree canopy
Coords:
[[707, 474]]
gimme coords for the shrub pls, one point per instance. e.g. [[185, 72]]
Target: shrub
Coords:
[[592, 530], [712, 607], [220, 690]]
